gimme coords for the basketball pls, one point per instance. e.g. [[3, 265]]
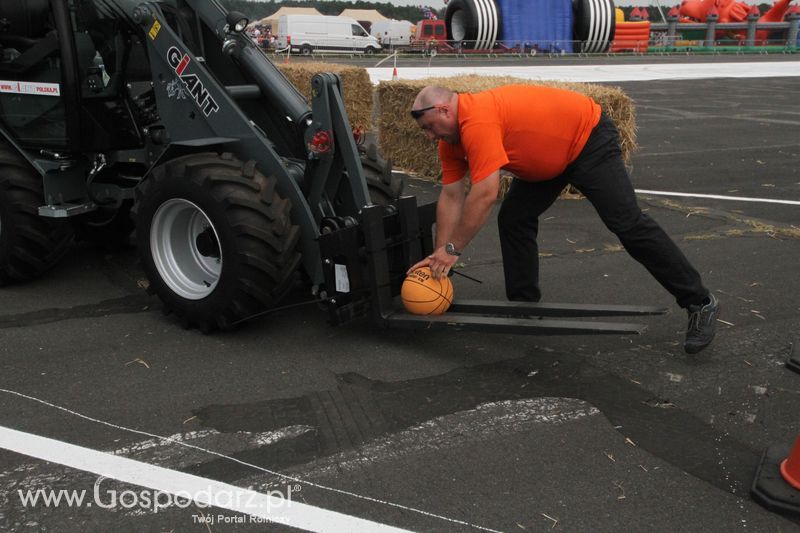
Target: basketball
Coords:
[[423, 295]]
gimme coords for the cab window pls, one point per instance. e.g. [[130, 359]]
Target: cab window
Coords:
[[108, 47], [31, 107]]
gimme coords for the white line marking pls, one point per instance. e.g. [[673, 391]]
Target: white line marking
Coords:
[[199, 490], [717, 150], [250, 465], [605, 73], [239, 441], [719, 197]]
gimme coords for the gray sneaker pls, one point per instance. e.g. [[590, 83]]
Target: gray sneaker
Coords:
[[702, 324]]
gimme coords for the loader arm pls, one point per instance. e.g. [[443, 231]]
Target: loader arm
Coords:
[[198, 110]]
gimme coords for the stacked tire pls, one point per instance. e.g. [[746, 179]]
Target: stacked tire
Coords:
[[478, 24], [594, 26], [473, 23]]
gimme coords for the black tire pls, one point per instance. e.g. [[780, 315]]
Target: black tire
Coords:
[[595, 22], [30, 245], [384, 186], [108, 227], [475, 22], [370, 51], [306, 50], [248, 238]]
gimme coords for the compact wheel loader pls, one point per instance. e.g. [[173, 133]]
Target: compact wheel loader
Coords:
[[166, 117]]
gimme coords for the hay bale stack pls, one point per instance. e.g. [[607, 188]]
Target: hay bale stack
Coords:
[[402, 141], [356, 87]]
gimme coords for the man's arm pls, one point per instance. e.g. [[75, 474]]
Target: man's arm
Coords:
[[473, 214], [448, 211], [478, 205]]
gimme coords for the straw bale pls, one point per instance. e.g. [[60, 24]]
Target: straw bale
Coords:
[[401, 140], [356, 87]]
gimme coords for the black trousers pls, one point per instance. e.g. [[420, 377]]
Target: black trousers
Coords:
[[599, 173]]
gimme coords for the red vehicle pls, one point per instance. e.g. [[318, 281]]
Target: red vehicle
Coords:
[[431, 30], [431, 36]]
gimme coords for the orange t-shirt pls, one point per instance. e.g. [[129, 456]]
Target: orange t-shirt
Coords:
[[533, 132]]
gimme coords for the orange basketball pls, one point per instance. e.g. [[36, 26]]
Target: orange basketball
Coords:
[[423, 295]]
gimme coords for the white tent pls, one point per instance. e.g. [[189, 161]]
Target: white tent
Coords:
[[365, 16], [272, 20]]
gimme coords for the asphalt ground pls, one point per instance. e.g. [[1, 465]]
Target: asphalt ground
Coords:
[[450, 431]]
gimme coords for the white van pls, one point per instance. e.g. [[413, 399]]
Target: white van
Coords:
[[320, 33], [392, 32]]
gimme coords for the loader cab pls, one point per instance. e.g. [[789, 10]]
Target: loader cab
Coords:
[[64, 65]]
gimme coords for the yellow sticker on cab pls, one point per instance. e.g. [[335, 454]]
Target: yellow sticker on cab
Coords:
[[154, 30]]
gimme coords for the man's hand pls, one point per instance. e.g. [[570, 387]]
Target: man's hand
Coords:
[[440, 263]]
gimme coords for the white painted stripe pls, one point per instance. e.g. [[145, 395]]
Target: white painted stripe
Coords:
[[200, 490], [605, 73], [705, 150], [718, 197]]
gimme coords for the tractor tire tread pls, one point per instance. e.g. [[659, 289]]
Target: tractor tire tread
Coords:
[[32, 244], [257, 225]]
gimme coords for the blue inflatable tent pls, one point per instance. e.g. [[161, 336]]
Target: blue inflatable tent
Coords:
[[542, 25]]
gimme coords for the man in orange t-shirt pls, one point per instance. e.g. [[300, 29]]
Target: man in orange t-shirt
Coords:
[[547, 138]]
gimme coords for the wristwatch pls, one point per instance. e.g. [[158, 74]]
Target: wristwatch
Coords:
[[450, 248]]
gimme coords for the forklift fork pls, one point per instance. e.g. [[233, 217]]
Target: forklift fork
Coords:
[[389, 244]]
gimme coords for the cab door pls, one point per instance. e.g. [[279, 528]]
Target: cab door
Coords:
[[360, 37]]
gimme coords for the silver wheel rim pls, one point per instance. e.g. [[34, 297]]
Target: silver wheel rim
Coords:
[[175, 235]]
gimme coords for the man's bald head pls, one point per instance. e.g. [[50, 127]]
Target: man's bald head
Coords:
[[433, 95], [436, 111]]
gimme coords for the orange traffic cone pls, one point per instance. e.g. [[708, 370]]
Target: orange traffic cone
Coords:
[[394, 74], [777, 481], [790, 467]]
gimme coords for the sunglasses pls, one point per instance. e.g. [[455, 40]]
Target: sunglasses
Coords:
[[416, 113]]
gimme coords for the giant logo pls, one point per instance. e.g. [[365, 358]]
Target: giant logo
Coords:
[[179, 61]]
